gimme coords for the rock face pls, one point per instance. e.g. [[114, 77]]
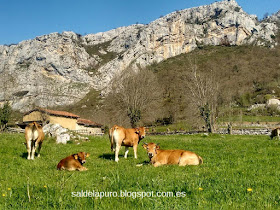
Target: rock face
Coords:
[[59, 69], [274, 18], [55, 130], [47, 71]]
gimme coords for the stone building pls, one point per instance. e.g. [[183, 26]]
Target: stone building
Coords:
[[65, 119], [88, 127]]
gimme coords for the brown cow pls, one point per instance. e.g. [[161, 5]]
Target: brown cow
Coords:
[[160, 157], [128, 137], [34, 136], [73, 162], [275, 133]]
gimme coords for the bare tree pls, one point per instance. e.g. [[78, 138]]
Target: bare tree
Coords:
[[135, 95], [204, 92]]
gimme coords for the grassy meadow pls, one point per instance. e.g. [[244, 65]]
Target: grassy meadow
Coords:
[[239, 172]]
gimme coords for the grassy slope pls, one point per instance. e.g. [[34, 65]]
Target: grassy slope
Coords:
[[245, 67], [84, 108], [232, 164]]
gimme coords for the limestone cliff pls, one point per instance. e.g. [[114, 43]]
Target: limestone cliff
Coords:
[[59, 69]]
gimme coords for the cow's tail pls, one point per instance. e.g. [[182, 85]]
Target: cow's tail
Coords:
[[200, 160], [39, 129], [33, 127], [36, 125], [112, 138], [112, 130]]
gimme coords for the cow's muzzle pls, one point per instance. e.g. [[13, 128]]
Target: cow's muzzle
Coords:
[[83, 161], [150, 155]]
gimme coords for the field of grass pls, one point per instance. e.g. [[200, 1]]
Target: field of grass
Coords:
[[239, 172]]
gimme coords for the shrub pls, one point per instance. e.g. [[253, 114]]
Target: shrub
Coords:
[[237, 9], [273, 110], [5, 114]]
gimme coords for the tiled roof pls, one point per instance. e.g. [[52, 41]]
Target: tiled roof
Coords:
[[88, 123], [54, 112]]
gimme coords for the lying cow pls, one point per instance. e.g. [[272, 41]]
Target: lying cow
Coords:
[[34, 137], [128, 137], [160, 157], [73, 162]]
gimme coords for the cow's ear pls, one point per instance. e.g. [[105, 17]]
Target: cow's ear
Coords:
[[157, 146], [87, 154], [145, 145], [76, 156], [137, 130]]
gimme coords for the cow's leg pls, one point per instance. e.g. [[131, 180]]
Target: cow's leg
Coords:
[[39, 148], [28, 147], [114, 147], [135, 151], [117, 152], [81, 168], [156, 164], [126, 151], [33, 149]]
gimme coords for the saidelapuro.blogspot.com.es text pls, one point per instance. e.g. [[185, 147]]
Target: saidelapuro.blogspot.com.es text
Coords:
[[126, 194]]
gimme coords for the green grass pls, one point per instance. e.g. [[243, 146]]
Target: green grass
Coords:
[[95, 50], [232, 164], [85, 107]]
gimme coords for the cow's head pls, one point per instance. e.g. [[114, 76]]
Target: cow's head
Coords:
[[151, 149], [81, 157], [141, 132]]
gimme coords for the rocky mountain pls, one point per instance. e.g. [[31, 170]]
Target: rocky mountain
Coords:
[[60, 69], [274, 18]]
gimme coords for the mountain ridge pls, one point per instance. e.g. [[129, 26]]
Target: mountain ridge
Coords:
[[60, 69]]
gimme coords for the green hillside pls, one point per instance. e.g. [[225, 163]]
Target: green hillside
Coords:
[[245, 75]]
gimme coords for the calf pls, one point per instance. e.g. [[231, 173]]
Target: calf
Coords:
[[275, 133], [73, 162], [160, 157], [34, 137], [128, 137]]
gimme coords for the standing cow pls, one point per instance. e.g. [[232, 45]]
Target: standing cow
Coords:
[[128, 137], [34, 136]]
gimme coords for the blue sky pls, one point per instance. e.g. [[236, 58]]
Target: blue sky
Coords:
[[25, 19]]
